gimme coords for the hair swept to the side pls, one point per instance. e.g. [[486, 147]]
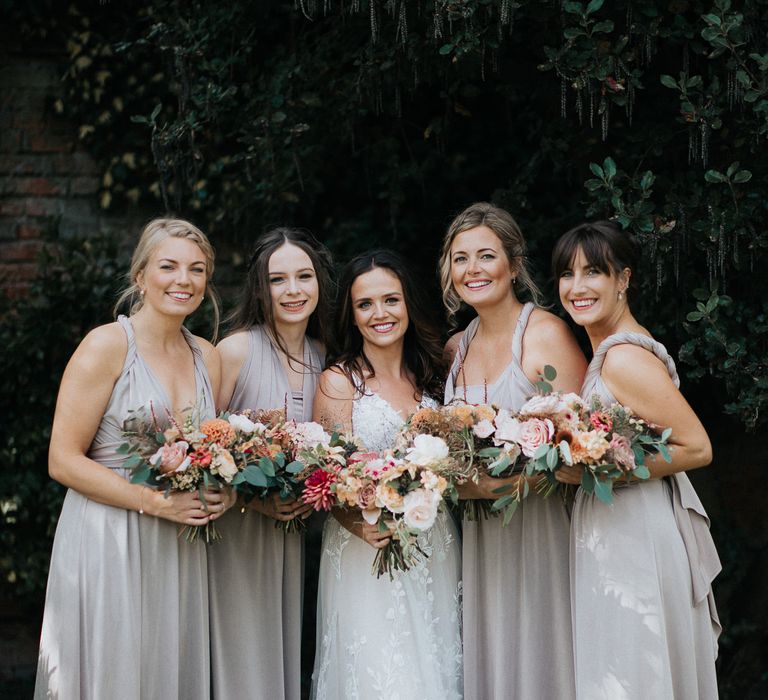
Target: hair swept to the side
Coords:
[[422, 347], [154, 233], [501, 222]]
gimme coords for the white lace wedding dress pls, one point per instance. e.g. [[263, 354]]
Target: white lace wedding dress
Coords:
[[382, 639]]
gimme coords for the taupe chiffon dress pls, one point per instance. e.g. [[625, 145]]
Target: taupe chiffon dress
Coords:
[[256, 571], [516, 606], [126, 609], [644, 617]]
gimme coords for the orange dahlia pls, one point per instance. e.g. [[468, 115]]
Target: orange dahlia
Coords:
[[219, 431]]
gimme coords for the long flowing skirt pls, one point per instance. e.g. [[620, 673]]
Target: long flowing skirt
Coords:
[[256, 577], [517, 613], [126, 609], [382, 639], [638, 633]]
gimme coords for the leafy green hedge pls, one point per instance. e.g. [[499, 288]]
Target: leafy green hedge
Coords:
[[38, 334]]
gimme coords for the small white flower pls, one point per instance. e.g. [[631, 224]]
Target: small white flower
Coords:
[[243, 424], [542, 405], [484, 428], [426, 450], [309, 435]]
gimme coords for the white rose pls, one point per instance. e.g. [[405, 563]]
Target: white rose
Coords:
[[433, 482], [542, 405], [420, 509], [242, 423], [426, 450], [507, 428], [483, 429]]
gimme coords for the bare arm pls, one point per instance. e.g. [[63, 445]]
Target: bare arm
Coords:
[[332, 407], [232, 352], [549, 341], [639, 380], [451, 348], [86, 387]]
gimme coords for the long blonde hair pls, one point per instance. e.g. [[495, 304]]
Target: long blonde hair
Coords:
[[154, 233], [508, 232]]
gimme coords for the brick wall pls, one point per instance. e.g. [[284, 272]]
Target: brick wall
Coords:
[[48, 182]]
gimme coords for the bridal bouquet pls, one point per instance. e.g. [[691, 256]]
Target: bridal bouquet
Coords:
[[398, 493], [191, 456]]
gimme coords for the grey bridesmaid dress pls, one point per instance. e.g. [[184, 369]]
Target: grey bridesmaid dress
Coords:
[[644, 617], [516, 595], [126, 609], [256, 571]]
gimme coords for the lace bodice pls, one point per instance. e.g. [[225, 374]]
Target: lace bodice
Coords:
[[376, 422]]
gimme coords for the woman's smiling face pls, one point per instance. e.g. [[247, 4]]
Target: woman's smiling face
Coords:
[[589, 295], [378, 304], [480, 271], [292, 285]]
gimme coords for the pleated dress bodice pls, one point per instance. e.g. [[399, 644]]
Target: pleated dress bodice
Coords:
[[263, 382], [126, 612], [644, 617], [516, 597], [256, 572]]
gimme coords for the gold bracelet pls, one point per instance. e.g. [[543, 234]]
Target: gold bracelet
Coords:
[[141, 501]]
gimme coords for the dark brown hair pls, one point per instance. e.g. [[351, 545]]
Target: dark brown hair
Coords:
[[606, 246], [255, 304], [422, 348]]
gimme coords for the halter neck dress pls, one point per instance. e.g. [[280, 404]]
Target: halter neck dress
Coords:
[[126, 609], [516, 596], [256, 572], [382, 639], [644, 617]]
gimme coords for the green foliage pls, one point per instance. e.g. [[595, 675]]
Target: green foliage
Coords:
[[372, 121], [38, 334]]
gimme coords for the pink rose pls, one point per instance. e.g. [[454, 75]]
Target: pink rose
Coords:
[[622, 453], [534, 433], [366, 496], [171, 457]]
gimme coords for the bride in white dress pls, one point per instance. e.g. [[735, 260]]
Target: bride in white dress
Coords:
[[377, 638]]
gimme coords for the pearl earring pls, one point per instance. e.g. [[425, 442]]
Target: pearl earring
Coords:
[[620, 295]]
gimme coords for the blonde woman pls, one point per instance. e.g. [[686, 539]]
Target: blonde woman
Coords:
[[516, 602], [126, 611]]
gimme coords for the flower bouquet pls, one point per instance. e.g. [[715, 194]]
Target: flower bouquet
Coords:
[[192, 456], [478, 440], [609, 442], [286, 457], [399, 493]]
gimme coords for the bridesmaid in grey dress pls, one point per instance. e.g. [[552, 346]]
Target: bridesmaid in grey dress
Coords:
[[127, 600], [271, 360], [516, 607], [644, 618]]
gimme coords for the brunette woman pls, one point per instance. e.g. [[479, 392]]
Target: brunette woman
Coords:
[[382, 637], [644, 618], [272, 359]]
